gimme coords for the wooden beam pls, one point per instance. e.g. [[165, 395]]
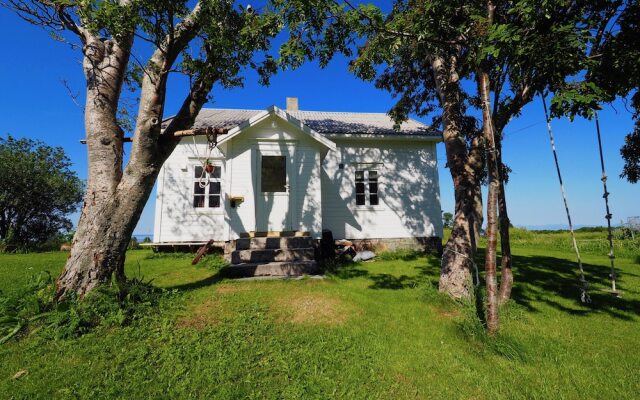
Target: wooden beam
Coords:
[[201, 131], [202, 251], [187, 132]]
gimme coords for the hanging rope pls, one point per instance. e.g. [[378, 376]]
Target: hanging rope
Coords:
[[212, 143], [584, 295], [609, 215]]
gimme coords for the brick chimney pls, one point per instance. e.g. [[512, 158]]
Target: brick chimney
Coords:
[[292, 104]]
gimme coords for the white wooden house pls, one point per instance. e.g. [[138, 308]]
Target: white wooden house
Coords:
[[303, 171]]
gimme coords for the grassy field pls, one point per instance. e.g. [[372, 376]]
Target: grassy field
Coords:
[[370, 330]]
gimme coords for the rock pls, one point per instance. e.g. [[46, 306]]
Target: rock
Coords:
[[364, 256], [20, 374]]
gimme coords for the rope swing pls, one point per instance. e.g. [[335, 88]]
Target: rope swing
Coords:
[[584, 295], [608, 217]]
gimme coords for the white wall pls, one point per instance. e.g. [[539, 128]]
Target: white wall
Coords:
[[322, 195], [177, 220], [408, 190], [305, 193]]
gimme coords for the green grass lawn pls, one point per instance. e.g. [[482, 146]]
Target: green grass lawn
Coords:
[[371, 330]]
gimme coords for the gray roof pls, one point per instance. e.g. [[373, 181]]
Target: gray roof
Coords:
[[320, 121]]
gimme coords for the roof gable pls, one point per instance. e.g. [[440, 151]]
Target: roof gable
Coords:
[[259, 116]]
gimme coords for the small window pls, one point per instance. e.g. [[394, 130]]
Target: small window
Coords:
[[274, 174], [360, 192], [367, 188], [207, 188]]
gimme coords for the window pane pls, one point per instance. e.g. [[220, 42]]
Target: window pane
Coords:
[[214, 188], [359, 176], [197, 172], [373, 188], [214, 201], [373, 175], [359, 199], [197, 189], [274, 174], [373, 199], [216, 172], [198, 201], [360, 187]]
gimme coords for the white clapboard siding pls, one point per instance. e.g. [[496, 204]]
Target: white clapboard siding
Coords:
[[408, 190], [305, 184], [177, 220], [321, 193]]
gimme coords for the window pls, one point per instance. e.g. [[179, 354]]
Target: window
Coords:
[[367, 187], [207, 188], [274, 174]]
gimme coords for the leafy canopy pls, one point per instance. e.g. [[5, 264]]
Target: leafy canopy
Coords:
[[38, 191]]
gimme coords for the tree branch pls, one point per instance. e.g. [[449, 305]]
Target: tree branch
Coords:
[[383, 29]]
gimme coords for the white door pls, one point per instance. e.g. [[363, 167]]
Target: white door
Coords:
[[274, 185]]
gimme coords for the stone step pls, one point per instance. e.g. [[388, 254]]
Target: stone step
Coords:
[[286, 268], [262, 243], [272, 255]]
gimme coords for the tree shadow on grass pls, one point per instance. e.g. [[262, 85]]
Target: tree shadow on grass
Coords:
[[538, 279], [550, 280], [426, 272], [208, 281]]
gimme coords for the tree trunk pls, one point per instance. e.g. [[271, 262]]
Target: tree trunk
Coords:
[[477, 206], [115, 199], [492, 212], [103, 235], [457, 259], [95, 254], [506, 273]]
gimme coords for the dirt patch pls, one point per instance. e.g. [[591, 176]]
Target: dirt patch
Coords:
[[446, 313], [208, 313], [227, 289], [312, 309]]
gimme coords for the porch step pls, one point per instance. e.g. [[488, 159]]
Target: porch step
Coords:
[[262, 243], [286, 268], [272, 255]]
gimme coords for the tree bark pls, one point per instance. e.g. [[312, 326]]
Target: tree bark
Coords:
[[457, 260], [475, 159], [506, 272], [492, 169]]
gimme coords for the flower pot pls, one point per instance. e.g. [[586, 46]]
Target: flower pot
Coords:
[[209, 168]]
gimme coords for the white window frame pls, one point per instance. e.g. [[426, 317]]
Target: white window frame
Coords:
[[367, 167], [194, 181]]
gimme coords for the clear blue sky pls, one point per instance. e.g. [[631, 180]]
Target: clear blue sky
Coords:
[[34, 103]]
